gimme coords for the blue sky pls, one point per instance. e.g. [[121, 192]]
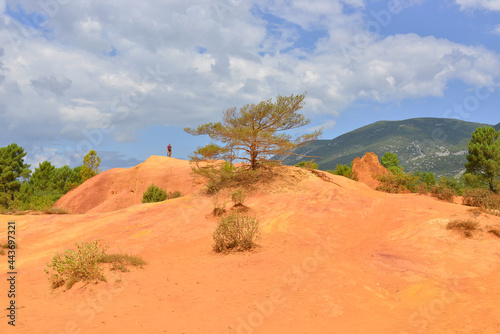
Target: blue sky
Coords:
[[124, 78]]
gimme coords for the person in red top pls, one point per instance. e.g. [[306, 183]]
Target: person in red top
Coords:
[[169, 151]]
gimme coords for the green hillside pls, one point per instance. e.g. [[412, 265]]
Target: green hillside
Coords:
[[436, 145]]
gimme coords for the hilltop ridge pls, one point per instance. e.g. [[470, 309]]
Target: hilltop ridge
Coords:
[[437, 145]]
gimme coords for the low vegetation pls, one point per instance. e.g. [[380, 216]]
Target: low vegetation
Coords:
[[495, 232], [235, 232], [482, 198], [55, 211], [83, 264], [307, 164], [239, 196], [464, 227], [219, 206], [344, 170], [121, 261], [397, 182], [443, 192], [156, 194]]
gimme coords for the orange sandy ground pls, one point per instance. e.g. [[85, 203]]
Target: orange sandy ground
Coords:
[[334, 257]]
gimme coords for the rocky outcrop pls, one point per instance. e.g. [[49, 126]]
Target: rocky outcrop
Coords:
[[367, 168]]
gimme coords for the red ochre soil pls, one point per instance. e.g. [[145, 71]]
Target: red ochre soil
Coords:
[[335, 257], [367, 168]]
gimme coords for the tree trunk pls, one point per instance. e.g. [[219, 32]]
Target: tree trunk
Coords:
[[253, 160]]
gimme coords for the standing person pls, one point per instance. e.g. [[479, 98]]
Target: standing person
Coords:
[[169, 150]]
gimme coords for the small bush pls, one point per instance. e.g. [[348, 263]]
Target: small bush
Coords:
[[465, 227], [495, 232], [83, 264], [422, 189], [345, 171], [74, 266], [174, 194], [120, 261], [55, 211], [398, 182], [307, 164], [219, 209], [235, 232], [443, 193], [154, 194], [239, 197], [481, 197]]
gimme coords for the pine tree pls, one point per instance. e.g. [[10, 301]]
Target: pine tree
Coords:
[[12, 169], [483, 159], [256, 132]]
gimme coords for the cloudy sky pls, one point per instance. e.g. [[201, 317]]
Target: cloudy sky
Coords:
[[125, 77]]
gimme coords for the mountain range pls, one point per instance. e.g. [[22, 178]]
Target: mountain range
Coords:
[[437, 145]]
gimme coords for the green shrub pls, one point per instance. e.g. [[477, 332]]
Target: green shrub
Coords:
[[422, 189], [83, 264], [154, 194], [344, 170], [235, 232], [55, 211], [398, 182], [74, 266], [219, 209], [174, 194], [453, 183], [443, 192], [227, 175], [307, 164], [464, 227], [481, 197], [120, 261], [239, 196]]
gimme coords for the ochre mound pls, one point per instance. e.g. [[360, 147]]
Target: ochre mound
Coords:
[[120, 188], [335, 257], [367, 168]]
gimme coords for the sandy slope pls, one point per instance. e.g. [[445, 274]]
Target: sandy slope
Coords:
[[335, 257]]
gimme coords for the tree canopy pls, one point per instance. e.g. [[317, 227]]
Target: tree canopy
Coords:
[[90, 166], [483, 158], [256, 132], [12, 168]]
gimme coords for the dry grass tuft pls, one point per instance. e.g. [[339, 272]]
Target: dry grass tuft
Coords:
[[464, 227]]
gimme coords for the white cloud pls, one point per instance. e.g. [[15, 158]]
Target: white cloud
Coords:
[[325, 126], [497, 30], [493, 5], [58, 82]]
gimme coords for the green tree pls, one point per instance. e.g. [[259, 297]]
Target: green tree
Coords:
[[67, 178], [256, 132], [44, 177], [428, 178], [46, 186], [343, 170], [483, 158], [12, 168], [389, 160], [90, 165]]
